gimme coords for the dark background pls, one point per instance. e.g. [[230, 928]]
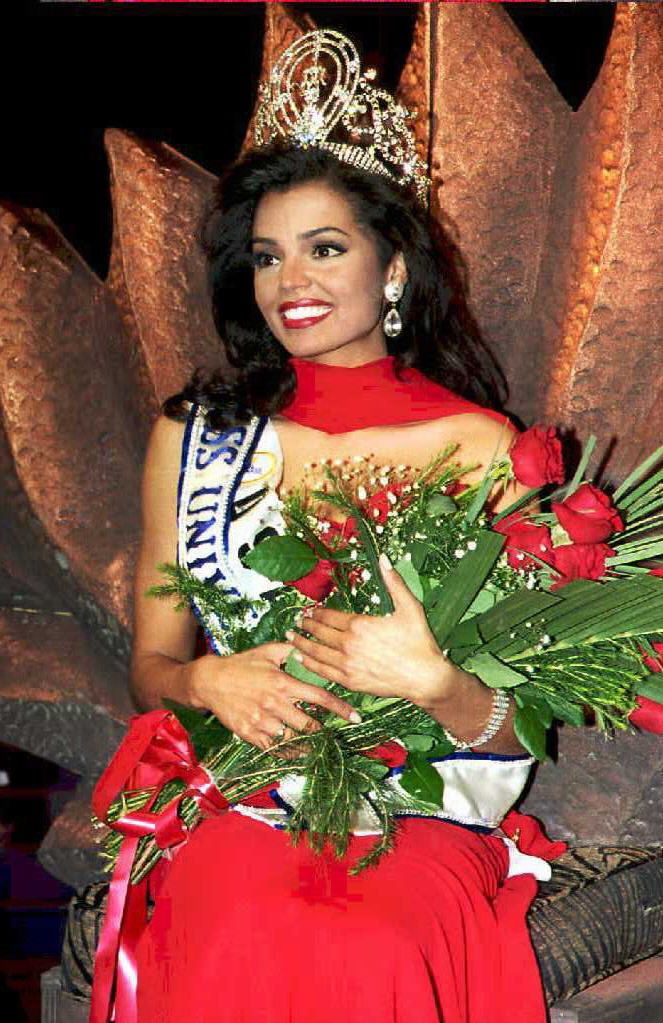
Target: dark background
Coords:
[[186, 74]]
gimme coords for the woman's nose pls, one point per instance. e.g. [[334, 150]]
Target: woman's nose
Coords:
[[294, 273]]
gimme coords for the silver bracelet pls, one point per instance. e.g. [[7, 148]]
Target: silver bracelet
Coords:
[[498, 714]]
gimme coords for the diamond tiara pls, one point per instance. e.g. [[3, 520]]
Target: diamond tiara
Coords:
[[316, 88]]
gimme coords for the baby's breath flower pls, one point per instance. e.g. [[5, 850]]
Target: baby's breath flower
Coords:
[[361, 493], [365, 575], [379, 529], [375, 599]]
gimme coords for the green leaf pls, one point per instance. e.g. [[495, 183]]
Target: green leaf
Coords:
[[410, 577], [480, 497], [484, 600], [297, 670], [206, 732], [421, 780], [418, 743], [462, 584], [281, 558], [570, 713], [419, 552], [376, 768], [492, 671], [530, 731], [442, 748], [651, 687], [524, 499], [188, 717], [636, 475], [440, 504], [529, 696], [582, 465]]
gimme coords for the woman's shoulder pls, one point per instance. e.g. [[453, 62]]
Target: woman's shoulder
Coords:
[[164, 452]]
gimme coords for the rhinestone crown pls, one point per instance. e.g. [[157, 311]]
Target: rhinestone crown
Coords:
[[317, 89]]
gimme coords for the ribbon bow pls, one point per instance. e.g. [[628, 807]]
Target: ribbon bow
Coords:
[[155, 750]]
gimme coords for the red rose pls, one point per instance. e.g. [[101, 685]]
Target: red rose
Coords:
[[654, 663], [318, 583], [522, 538], [580, 561], [392, 753], [343, 531], [536, 457], [588, 515], [648, 715], [378, 504]]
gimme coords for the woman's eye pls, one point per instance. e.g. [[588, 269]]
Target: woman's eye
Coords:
[[261, 259], [325, 249]]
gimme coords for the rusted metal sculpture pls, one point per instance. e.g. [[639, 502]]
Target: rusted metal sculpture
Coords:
[[559, 216]]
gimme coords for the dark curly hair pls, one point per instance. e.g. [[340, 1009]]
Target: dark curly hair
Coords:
[[439, 336]]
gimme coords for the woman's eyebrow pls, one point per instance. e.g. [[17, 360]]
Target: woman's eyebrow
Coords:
[[306, 234]]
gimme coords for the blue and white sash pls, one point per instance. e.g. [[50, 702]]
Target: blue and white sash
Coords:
[[228, 502]]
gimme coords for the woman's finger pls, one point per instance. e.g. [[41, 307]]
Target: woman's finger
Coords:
[[322, 698], [330, 617], [319, 651], [324, 633]]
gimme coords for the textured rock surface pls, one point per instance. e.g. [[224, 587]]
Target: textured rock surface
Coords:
[[558, 216]]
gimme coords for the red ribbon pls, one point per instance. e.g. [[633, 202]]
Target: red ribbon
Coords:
[[155, 750]]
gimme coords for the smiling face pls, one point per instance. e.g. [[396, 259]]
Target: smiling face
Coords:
[[318, 281]]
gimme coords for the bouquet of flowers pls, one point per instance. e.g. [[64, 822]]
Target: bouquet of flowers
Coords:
[[557, 598]]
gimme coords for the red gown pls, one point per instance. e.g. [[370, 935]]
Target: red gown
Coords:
[[248, 928]]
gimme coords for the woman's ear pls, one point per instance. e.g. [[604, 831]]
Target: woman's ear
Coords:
[[397, 269]]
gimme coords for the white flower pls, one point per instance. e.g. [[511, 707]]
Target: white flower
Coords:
[[375, 599], [353, 555], [471, 545], [384, 480], [365, 575], [379, 529], [361, 493], [391, 497], [408, 556], [459, 553]]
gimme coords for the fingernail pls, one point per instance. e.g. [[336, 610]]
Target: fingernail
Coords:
[[355, 717], [385, 563], [289, 634], [296, 656]]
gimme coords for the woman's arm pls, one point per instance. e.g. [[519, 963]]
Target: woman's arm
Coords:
[[248, 692], [164, 639], [397, 655]]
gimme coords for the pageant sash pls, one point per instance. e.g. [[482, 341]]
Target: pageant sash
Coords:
[[155, 750], [226, 503]]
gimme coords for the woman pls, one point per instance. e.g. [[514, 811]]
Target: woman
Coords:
[[313, 262]]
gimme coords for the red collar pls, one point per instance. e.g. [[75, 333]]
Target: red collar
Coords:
[[339, 399]]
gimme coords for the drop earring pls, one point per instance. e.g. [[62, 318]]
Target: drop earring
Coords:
[[392, 323]]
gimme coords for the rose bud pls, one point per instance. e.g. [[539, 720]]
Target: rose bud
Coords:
[[536, 457], [522, 538], [588, 515], [318, 583], [580, 561]]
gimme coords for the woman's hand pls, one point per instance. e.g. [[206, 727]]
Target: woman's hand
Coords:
[[252, 697], [394, 655]]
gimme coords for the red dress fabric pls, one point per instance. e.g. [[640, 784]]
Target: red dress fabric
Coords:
[[251, 929], [248, 928]]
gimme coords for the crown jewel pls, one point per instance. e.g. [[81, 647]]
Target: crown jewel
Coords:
[[317, 89]]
